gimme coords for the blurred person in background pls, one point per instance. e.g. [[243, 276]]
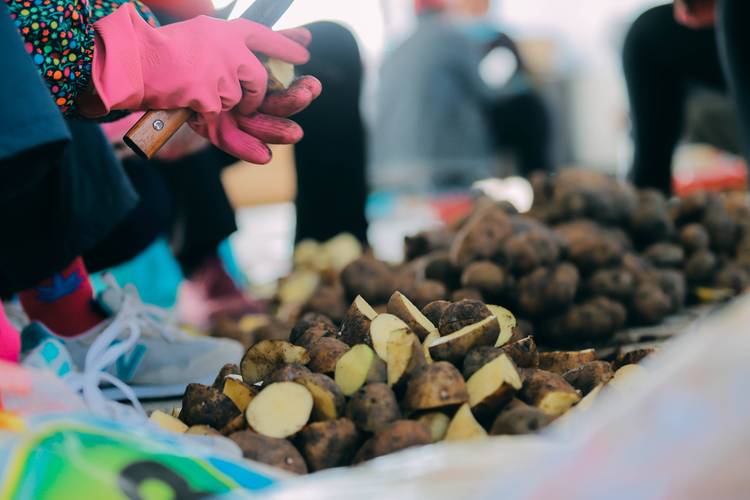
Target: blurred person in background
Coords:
[[669, 50], [451, 97]]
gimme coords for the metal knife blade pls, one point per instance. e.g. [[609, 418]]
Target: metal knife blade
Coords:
[[266, 12]]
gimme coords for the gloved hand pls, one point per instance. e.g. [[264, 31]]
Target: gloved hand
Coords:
[[204, 64], [246, 135]]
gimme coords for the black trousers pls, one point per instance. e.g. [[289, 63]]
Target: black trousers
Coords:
[[522, 126], [662, 60], [183, 200]]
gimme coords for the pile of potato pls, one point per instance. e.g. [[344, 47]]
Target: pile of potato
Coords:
[[333, 396], [592, 257]]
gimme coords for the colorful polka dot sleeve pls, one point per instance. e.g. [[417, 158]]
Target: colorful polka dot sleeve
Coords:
[[59, 36]]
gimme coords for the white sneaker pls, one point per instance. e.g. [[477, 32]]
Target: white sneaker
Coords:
[[141, 346]]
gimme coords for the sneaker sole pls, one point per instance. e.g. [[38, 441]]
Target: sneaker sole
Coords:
[[151, 391]]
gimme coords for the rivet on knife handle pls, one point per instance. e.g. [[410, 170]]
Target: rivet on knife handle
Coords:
[[154, 129]]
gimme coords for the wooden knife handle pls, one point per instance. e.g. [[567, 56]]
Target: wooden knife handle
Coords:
[[154, 129]]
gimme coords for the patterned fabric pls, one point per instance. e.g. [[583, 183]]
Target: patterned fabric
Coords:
[[59, 36]]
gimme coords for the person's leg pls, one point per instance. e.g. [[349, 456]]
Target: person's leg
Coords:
[[203, 218], [734, 47], [149, 220], [660, 59], [331, 159], [522, 124]]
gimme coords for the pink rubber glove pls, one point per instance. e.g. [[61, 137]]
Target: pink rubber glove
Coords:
[[246, 135], [204, 64]]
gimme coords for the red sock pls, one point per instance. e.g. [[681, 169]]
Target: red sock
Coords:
[[10, 340], [63, 302]]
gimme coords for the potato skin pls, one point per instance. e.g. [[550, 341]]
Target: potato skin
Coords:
[[595, 319], [467, 294], [665, 255], [329, 444], [616, 283], [590, 247], [311, 336], [491, 280], [538, 383], [271, 451], [560, 362], [548, 290], [733, 277], [205, 405], [287, 373], [329, 301], [373, 407], [325, 353], [461, 314], [694, 237], [397, 436], [227, 369], [307, 321], [589, 375], [700, 267], [436, 385], [523, 353], [434, 310], [532, 249], [370, 278], [520, 419], [631, 357], [650, 304], [425, 292]]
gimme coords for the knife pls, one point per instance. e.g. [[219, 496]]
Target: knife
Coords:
[[156, 127]]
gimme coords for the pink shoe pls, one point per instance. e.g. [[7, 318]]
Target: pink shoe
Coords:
[[211, 292]]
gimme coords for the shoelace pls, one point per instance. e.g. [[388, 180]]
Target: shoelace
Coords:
[[154, 320], [102, 354]]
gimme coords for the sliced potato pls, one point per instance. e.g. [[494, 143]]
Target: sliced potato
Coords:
[[325, 353], [355, 328], [520, 419], [507, 322], [454, 347], [562, 361], [434, 310], [239, 392], [328, 400], [226, 370], [426, 345], [402, 307], [493, 386], [280, 410], [359, 366], [548, 391], [280, 74], [206, 405], [405, 356], [627, 377], [437, 385], [464, 426], [437, 423], [265, 357], [168, 422], [589, 375], [380, 331]]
